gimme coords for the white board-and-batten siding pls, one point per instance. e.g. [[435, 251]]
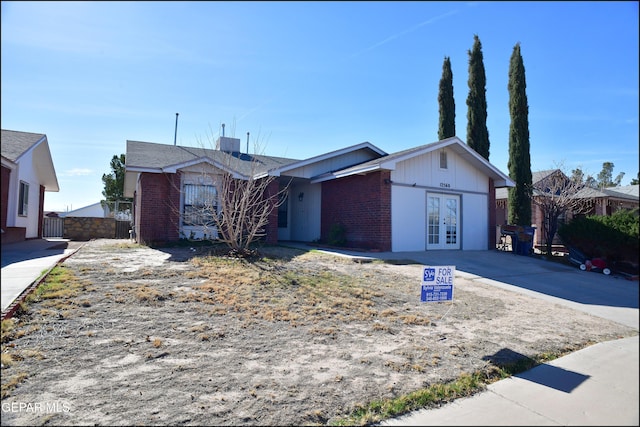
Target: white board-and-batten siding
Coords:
[[413, 178]]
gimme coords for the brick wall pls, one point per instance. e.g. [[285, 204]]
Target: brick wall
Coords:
[[4, 196], [85, 228], [157, 213], [362, 204], [157, 210]]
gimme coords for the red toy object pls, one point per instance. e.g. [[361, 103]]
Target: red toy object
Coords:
[[596, 264]]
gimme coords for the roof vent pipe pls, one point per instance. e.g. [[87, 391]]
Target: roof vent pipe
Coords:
[[247, 142], [223, 129], [175, 135]]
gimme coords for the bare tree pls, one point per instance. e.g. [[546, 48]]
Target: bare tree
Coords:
[[245, 207], [232, 200], [555, 195]]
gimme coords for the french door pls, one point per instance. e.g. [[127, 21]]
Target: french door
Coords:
[[443, 225]]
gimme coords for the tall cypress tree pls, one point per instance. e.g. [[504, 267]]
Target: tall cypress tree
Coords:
[[519, 156], [446, 103], [477, 132]]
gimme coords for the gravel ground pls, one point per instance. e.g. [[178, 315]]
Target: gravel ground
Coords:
[[156, 339]]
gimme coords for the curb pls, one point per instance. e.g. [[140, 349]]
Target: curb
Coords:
[[13, 307]]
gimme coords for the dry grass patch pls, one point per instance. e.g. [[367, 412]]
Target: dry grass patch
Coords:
[[12, 383], [58, 291], [6, 359], [8, 330], [147, 294], [273, 290]]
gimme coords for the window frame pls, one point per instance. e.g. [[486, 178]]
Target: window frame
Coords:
[[444, 160], [197, 210], [23, 199]]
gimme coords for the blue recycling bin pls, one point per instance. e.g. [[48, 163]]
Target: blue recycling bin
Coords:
[[524, 241]]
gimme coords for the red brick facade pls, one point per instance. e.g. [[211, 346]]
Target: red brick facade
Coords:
[[157, 208], [4, 197], [362, 204]]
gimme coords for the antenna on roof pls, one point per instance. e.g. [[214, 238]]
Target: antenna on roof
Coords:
[[223, 130], [247, 142], [175, 135]]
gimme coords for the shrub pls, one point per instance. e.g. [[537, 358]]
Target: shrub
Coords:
[[614, 237], [337, 235]]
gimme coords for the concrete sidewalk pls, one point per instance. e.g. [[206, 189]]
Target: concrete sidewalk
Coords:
[[24, 263], [594, 386]]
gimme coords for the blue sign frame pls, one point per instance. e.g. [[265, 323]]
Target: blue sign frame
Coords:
[[437, 283]]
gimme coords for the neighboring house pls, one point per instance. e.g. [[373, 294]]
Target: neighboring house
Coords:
[[27, 173], [602, 201], [435, 196], [95, 210], [606, 201]]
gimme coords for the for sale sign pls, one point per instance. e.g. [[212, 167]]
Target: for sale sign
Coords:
[[437, 283]]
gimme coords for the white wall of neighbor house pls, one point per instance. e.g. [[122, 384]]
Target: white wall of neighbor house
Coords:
[[408, 202], [24, 172]]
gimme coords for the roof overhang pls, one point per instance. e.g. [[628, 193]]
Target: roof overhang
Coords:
[[454, 143], [8, 163], [327, 156], [132, 173], [43, 166], [203, 161]]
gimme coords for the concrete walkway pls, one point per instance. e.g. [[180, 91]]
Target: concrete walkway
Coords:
[[25, 262]]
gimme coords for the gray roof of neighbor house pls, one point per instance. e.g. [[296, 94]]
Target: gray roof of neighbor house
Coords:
[[536, 177], [627, 192], [153, 157], [540, 175], [14, 145]]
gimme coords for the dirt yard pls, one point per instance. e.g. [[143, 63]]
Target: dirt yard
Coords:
[[169, 337]]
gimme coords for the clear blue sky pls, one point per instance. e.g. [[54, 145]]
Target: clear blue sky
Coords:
[[305, 78]]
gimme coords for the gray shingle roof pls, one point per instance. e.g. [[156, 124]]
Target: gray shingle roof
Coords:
[[15, 144], [628, 192], [152, 156], [540, 175]]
